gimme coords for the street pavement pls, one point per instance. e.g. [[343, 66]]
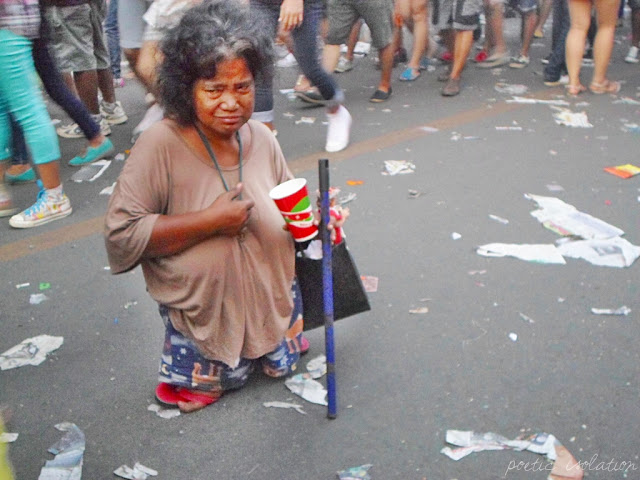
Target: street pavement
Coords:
[[403, 379]]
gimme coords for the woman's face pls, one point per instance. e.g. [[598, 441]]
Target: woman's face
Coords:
[[225, 102]]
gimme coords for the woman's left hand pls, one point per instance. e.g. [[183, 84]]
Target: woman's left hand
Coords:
[[291, 14]]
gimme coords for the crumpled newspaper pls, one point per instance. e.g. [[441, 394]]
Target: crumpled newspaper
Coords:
[[31, 351], [306, 387], [565, 466], [69, 452]]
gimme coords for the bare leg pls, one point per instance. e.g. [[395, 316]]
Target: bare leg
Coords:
[[580, 13], [529, 23], [105, 84], [461, 48], [353, 39], [386, 64], [68, 79], [49, 174], [607, 13], [87, 85], [330, 57], [635, 27], [545, 10], [420, 29], [148, 60]]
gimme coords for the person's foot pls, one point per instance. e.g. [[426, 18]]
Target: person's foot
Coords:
[[380, 96], [310, 95], [556, 81], [495, 60], [452, 88], [73, 130], [446, 57], [519, 62], [481, 56], [6, 202], [545, 60], [574, 90], [185, 399], [287, 61], [48, 207], [113, 113], [443, 76], [608, 86], [344, 65], [339, 130], [539, 33], [118, 82], [20, 174], [409, 74], [91, 154], [632, 55]]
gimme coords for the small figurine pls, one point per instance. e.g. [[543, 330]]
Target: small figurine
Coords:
[[338, 215]]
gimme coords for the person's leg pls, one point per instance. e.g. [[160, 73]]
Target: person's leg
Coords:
[[607, 13], [462, 46], [580, 17], [20, 92], [419, 25], [20, 170], [561, 24], [543, 14], [112, 33], [378, 14], [530, 21]]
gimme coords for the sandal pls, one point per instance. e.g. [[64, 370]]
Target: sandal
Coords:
[[574, 90], [409, 75], [608, 86]]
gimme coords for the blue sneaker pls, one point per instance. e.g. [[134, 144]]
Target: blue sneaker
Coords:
[[93, 153]]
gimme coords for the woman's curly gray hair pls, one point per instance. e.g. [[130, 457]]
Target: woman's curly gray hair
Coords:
[[212, 32]]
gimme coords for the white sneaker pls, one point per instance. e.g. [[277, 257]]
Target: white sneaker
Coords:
[[45, 210], [287, 61], [73, 130], [344, 65], [632, 55], [113, 113], [339, 130]]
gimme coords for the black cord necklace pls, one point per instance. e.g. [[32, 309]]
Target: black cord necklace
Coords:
[[215, 161]]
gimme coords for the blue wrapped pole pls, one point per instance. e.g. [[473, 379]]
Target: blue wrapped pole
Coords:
[[327, 288]]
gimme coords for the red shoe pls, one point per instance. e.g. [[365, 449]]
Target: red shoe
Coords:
[[169, 395], [481, 56], [304, 345], [446, 57]]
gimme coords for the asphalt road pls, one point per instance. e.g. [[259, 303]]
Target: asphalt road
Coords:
[[403, 379]]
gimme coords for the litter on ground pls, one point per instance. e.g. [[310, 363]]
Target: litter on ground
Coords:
[[398, 167], [419, 310], [370, 283], [566, 117], [6, 437], [565, 466], [165, 413], [31, 351], [623, 171], [294, 406], [511, 89], [317, 367], [108, 190], [306, 387], [355, 473], [90, 172], [623, 310], [538, 100], [538, 253], [69, 452], [498, 219], [138, 472], [37, 298]]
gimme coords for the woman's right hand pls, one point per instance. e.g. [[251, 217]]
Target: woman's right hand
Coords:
[[229, 213]]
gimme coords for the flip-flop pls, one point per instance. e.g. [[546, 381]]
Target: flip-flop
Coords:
[[409, 75]]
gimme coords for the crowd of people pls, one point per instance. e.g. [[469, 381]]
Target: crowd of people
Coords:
[[76, 48]]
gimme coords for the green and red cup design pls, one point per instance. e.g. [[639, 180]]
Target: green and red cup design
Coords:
[[292, 199]]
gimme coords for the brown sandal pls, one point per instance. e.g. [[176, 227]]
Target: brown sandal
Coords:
[[574, 90], [608, 86]]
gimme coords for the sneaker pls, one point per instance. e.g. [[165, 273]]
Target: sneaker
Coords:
[[118, 82], [45, 210], [632, 55], [287, 61], [344, 65], [545, 60], [339, 130], [6, 202], [519, 62], [311, 95], [73, 130], [561, 80], [495, 60], [93, 154], [113, 113]]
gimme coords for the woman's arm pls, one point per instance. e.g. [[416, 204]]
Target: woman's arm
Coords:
[[172, 234]]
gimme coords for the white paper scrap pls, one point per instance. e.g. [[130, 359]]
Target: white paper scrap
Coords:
[[138, 472], [37, 298], [539, 253], [566, 117], [165, 413], [538, 100], [612, 252], [398, 167], [294, 406], [317, 367], [108, 190], [306, 387], [31, 351], [90, 172], [623, 310], [6, 437]]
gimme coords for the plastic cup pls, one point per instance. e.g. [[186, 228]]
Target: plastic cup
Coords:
[[292, 199]]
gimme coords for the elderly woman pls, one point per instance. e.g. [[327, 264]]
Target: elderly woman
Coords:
[[192, 207]]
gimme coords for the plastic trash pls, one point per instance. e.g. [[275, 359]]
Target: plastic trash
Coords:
[[31, 351]]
